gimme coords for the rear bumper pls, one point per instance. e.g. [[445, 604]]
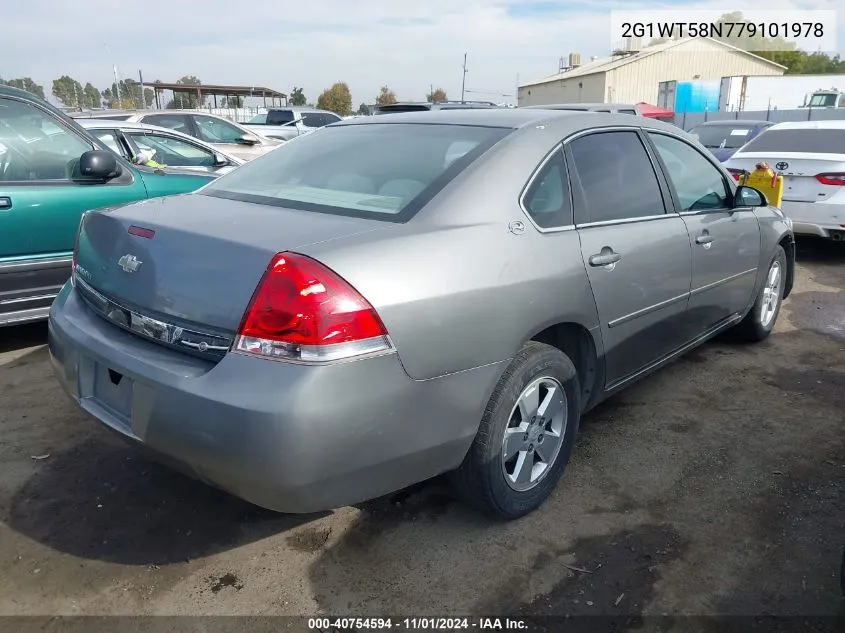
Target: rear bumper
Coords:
[[815, 218], [292, 438]]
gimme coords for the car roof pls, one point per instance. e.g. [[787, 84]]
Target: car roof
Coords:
[[838, 124], [489, 117], [729, 122], [565, 106], [298, 109]]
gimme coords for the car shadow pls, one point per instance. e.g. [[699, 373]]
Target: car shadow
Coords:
[[18, 337]]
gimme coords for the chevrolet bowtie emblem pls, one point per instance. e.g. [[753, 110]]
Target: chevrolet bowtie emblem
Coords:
[[129, 263]]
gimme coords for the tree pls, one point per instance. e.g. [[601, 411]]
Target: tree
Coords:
[[232, 102], [385, 96], [364, 109], [337, 99], [69, 91], [438, 95], [187, 100], [297, 97], [25, 83], [91, 96], [128, 95]]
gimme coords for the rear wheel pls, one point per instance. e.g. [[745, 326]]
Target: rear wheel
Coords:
[[761, 319], [526, 435]]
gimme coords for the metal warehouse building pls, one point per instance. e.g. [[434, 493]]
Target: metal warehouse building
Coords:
[[633, 76]]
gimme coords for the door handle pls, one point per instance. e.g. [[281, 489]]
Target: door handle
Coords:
[[5, 203], [605, 258], [704, 238]]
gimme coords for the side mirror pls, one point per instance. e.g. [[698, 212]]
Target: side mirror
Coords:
[[248, 139], [220, 160], [749, 197], [99, 164]]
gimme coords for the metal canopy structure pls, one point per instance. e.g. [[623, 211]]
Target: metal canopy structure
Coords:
[[219, 90]]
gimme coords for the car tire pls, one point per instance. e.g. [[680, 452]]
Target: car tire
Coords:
[[540, 445], [761, 319]]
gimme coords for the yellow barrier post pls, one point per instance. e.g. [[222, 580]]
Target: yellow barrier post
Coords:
[[767, 181]]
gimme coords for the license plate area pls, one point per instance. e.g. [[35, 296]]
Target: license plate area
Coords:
[[113, 391]]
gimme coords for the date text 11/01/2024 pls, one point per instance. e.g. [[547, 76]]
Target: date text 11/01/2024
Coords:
[[670, 30], [423, 623]]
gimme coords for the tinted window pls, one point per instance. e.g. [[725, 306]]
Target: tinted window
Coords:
[[172, 151], [33, 146], [547, 200], [634, 112], [213, 130], [109, 138], [721, 136], [823, 100], [798, 140], [616, 177], [176, 122], [117, 117], [279, 117], [376, 171], [699, 184], [315, 119], [402, 107]]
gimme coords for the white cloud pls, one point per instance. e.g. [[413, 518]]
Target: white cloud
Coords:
[[406, 45]]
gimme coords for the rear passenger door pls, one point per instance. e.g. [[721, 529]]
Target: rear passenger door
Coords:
[[636, 253], [725, 241]]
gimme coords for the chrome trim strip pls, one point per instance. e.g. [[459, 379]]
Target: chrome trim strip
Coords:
[[4, 302], [680, 351], [645, 218], [715, 284], [648, 310], [203, 344], [28, 264]]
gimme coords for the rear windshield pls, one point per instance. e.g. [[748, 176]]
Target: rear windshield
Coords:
[[379, 171], [797, 140], [258, 119], [116, 117], [279, 117], [402, 107], [723, 136]]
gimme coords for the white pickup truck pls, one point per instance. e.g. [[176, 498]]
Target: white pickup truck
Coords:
[[291, 121]]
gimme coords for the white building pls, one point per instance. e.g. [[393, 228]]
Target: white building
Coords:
[[634, 76]]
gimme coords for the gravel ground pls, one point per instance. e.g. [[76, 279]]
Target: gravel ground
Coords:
[[712, 487]]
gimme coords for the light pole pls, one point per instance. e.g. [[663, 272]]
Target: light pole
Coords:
[[464, 79]]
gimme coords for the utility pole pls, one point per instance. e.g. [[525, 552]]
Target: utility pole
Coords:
[[431, 93], [464, 80], [143, 100]]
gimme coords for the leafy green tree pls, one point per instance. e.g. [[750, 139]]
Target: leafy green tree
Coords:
[[297, 97], [364, 110], [25, 83], [438, 95], [232, 102], [188, 99], [337, 99], [69, 91], [128, 95], [91, 96], [385, 96]]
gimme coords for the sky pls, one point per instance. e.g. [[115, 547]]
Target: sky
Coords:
[[406, 45]]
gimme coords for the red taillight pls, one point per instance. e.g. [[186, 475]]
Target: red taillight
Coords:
[[831, 179], [304, 311], [736, 173]]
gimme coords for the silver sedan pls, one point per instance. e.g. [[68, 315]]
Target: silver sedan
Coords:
[[391, 298]]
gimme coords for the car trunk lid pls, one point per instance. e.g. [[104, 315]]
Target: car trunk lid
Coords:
[[799, 171], [195, 260]]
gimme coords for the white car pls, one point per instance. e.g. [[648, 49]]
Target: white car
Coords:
[[162, 145], [811, 157]]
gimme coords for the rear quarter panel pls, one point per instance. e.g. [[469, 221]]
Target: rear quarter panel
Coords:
[[773, 231], [455, 287]]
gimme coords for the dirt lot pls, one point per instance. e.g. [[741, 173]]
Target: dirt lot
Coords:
[[715, 486]]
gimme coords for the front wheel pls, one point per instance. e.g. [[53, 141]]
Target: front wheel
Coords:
[[526, 435], [761, 319]]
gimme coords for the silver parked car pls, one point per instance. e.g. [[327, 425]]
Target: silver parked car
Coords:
[[289, 122], [163, 145], [313, 330], [223, 134]]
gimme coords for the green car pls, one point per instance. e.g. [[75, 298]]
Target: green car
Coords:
[[51, 172]]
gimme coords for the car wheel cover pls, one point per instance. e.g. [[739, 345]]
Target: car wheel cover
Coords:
[[771, 295]]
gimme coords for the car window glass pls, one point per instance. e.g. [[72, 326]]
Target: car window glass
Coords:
[[33, 146], [314, 119], [722, 136], [634, 112], [812, 141], [213, 130], [173, 121], [699, 184], [172, 151], [616, 176], [547, 200], [109, 138], [279, 117]]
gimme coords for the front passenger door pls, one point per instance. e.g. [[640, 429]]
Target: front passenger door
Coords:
[[637, 255], [725, 241]]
